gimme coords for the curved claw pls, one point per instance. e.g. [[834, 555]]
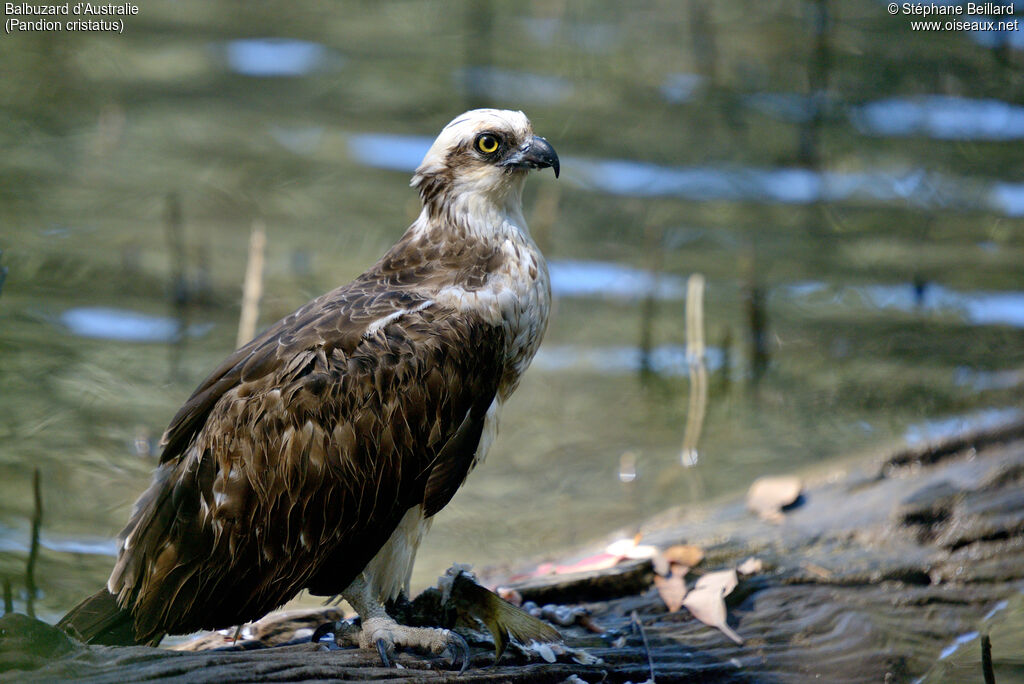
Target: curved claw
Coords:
[[322, 631], [457, 649], [382, 651]]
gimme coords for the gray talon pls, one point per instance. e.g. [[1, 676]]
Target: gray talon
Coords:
[[458, 650], [382, 651], [323, 630]]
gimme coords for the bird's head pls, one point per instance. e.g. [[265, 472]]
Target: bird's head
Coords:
[[483, 154]]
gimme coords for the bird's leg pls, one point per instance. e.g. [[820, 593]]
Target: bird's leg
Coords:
[[380, 631]]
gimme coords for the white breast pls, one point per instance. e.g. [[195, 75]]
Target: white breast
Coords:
[[517, 297]]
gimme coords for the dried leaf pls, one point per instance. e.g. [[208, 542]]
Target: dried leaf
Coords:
[[722, 582], [706, 601], [710, 609], [614, 554], [631, 548], [769, 495], [672, 589], [684, 554], [751, 566]]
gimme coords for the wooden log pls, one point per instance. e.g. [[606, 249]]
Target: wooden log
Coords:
[[853, 591], [577, 587]]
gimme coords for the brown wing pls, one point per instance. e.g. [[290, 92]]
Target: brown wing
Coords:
[[337, 319], [293, 463]]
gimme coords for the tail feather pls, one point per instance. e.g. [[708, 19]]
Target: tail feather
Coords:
[[99, 620]]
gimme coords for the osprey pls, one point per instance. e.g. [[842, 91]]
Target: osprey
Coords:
[[316, 456]]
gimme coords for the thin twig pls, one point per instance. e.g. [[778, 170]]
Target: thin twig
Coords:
[[696, 358], [647, 647], [986, 660], [252, 287], [8, 597], [33, 551]]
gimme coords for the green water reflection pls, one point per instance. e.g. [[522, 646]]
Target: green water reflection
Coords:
[[827, 158]]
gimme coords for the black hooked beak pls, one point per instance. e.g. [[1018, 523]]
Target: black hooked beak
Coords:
[[535, 154]]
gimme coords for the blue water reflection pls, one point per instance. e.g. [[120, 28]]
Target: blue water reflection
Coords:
[[701, 183], [995, 39], [977, 308], [944, 117], [1008, 198], [571, 278], [792, 107], [680, 88], [914, 187], [941, 116], [14, 540], [593, 37], [965, 638], [517, 87], [391, 152], [125, 326], [298, 139], [981, 381], [668, 360], [277, 57], [945, 428]]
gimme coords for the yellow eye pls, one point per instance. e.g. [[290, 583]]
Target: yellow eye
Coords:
[[487, 144]]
